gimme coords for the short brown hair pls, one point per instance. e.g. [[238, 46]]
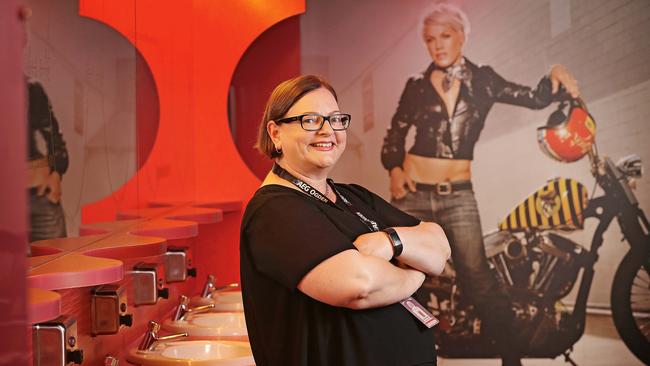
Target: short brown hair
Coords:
[[283, 97]]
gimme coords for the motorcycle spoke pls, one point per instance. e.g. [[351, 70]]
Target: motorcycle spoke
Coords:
[[640, 287], [640, 302], [639, 293], [641, 306], [645, 329], [643, 288], [631, 305], [643, 277]]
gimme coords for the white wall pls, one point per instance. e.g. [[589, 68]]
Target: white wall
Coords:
[[604, 43]]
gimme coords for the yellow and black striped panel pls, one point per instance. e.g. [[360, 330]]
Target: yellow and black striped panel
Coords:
[[557, 205]]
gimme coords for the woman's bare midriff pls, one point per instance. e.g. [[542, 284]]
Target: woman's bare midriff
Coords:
[[434, 170], [37, 177]]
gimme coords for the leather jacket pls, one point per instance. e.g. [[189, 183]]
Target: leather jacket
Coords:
[[453, 137], [42, 121]]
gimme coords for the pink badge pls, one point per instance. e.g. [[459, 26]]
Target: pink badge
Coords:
[[419, 311]]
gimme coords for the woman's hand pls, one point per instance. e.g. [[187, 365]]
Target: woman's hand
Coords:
[[375, 244], [426, 247], [561, 76], [51, 187], [399, 181]]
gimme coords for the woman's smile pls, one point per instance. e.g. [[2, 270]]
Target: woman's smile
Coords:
[[323, 146]]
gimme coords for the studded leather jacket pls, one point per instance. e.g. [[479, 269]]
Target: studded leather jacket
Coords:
[[439, 135], [43, 126]]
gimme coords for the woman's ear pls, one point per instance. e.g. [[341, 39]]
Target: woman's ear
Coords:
[[274, 133]]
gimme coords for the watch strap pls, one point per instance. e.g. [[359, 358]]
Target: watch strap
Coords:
[[395, 241]]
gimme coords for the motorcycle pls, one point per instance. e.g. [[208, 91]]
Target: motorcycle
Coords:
[[538, 267]]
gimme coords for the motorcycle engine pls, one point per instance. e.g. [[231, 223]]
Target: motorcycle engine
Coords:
[[544, 265], [536, 269]]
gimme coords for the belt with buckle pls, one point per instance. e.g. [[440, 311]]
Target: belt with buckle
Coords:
[[445, 188], [38, 163]]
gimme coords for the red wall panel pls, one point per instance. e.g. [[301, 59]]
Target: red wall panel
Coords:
[[271, 59], [192, 49]]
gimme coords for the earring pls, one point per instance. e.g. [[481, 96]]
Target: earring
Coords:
[[278, 151]]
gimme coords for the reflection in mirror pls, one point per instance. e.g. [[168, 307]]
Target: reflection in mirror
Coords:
[[93, 114]]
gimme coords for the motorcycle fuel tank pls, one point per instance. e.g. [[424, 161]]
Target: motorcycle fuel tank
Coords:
[[558, 205]]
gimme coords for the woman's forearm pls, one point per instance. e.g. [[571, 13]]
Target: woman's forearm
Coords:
[[385, 284], [426, 247], [355, 280]]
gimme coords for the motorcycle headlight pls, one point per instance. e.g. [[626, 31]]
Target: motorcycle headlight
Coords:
[[631, 166]]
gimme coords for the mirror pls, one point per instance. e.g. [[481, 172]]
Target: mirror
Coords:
[[93, 114]]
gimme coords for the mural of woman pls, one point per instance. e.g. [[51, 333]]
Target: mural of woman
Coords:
[[448, 104]]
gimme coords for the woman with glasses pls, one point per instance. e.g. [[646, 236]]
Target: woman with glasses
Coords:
[[448, 104], [328, 269]]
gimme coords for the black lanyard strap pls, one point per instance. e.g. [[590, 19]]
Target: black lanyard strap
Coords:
[[303, 186], [316, 194]]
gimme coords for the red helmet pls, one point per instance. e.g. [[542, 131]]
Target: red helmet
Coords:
[[568, 139]]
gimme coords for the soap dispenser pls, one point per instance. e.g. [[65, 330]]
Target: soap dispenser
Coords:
[[108, 310], [55, 342], [178, 264], [148, 282]]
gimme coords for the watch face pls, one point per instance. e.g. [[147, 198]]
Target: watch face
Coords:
[[395, 241]]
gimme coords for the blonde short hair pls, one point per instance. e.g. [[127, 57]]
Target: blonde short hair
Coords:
[[444, 13]]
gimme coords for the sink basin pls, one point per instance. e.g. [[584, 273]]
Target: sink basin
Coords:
[[223, 301], [195, 353], [226, 326]]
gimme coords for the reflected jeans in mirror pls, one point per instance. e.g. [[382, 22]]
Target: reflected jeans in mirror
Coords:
[[47, 220]]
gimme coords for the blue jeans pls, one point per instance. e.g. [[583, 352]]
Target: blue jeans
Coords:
[[47, 220], [457, 213]]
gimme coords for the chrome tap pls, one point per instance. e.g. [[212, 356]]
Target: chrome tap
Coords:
[[209, 287], [151, 337], [227, 287], [184, 308]]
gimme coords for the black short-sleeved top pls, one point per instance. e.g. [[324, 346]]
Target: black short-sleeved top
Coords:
[[286, 233]]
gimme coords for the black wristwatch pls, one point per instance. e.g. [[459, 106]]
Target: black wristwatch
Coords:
[[395, 241]]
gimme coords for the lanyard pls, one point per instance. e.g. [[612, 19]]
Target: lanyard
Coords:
[[414, 307], [316, 194]]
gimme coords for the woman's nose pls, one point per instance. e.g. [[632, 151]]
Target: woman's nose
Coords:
[[327, 128]]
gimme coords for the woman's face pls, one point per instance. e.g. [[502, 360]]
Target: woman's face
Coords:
[[445, 43], [310, 152]]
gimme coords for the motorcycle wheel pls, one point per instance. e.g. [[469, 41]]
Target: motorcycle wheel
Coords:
[[631, 294]]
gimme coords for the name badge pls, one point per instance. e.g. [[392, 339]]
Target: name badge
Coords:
[[419, 312]]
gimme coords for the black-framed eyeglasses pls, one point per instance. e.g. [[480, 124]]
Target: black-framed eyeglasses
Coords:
[[314, 122]]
